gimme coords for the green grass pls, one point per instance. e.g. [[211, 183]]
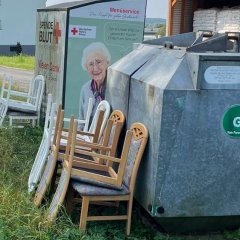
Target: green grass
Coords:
[[19, 219], [21, 61]]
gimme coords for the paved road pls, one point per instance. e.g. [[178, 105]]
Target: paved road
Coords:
[[18, 74], [21, 78]]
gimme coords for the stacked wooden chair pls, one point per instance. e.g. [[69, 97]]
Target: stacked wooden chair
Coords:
[[99, 181], [59, 141], [48, 139]]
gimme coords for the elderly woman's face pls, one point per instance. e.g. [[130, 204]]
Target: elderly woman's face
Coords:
[[96, 66]]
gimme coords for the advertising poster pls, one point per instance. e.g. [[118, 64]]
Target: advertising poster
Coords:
[[98, 35], [50, 49]]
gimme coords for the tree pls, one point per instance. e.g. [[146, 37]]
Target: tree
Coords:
[[162, 30]]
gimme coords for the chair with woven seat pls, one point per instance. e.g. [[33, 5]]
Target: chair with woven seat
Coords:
[[91, 187]]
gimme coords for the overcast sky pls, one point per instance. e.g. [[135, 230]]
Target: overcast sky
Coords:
[[157, 8]]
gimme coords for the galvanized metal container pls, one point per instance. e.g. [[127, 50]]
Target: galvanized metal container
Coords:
[[185, 96]]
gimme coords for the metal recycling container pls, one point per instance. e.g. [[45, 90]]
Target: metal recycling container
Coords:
[[189, 99], [65, 30]]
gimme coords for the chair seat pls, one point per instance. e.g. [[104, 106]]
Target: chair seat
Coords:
[[87, 189], [21, 106], [18, 114]]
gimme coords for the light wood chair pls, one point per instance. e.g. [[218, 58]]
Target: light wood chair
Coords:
[[52, 159], [63, 182], [108, 144], [105, 173], [57, 152], [93, 192]]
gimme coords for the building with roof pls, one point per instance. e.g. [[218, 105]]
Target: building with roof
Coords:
[[18, 24]]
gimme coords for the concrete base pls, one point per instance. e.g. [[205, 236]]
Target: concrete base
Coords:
[[199, 225]]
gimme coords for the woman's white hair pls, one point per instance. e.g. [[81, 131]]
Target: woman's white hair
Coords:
[[98, 47]]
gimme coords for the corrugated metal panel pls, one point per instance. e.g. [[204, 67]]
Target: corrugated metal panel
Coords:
[[176, 23], [188, 18]]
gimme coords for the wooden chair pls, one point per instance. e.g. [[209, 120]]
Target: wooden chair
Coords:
[[62, 187], [52, 159], [134, 145], [109, 141], [81, 122], [45, 145], [57, 152], [23, 105]]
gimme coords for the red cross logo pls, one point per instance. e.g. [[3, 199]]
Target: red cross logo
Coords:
[[57, 32], [74, 31]]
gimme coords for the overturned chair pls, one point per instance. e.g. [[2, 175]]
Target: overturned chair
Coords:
[[58, 146], [97, 182], [23, 105]]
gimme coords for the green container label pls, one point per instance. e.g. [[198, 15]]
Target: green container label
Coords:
[[231, 121]]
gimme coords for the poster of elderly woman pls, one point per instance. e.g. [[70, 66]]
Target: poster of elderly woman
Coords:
[[98, 35], [95, 60]]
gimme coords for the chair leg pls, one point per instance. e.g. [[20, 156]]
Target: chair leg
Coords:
[[129, 215], [84, 212], [10, 121], [69, 200]]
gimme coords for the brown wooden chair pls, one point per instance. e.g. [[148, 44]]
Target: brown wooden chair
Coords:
[[57, 152], [108, 144], [94, 186], [52, 159], [63, 182]]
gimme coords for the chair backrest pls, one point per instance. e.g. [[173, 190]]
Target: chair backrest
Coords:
[[43, 150], [52, 159], [6, 85], [84, 123], [36, 92], [112, 131], [139, 137], [3, 110], [105, 107], [88, 115]]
